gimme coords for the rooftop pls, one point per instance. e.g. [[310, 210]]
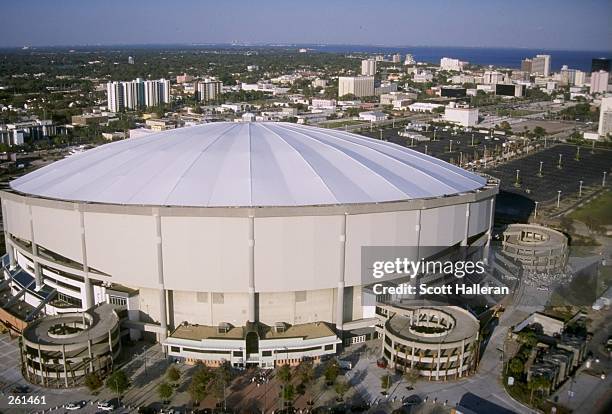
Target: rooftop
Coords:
[[248, 164]]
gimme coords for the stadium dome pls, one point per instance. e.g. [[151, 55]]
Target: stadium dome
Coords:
[[246, 165]]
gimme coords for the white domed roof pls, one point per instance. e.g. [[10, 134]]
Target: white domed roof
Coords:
[[247, 164]]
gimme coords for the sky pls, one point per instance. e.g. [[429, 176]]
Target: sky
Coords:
[[546, 24]]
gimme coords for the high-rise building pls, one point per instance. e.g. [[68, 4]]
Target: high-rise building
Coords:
[[130, 60], [368, 67], [526, 65], [580, 78], [605, 116], [599, 81], [114, 96], [132, 95], [409, 60], [356, 85], [540, 65], [598, 64], [397, 58], [208, 90], [567, 76]]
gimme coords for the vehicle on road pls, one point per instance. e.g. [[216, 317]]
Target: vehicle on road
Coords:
[[106, 406], [21, 389], [75, 405]]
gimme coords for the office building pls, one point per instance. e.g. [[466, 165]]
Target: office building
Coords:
[[502, 89], [245, 249], [599, 82], [567, 76], [397, 58], [368, 67], [526, 65], [409, 60], [452, 91], [600, 64], [540, 65], [605, 116], [451, 64], [493, 77], [358, 86], [208, 90], [461, 115]]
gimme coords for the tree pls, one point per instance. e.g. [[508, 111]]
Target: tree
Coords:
[[516, 366], [288, 392], [173, 374], [332, 370], [539, 131], [199, 382], [505, 125], [92, 382], [284, 374], [164, 390], [341, 388], [118, 382], [385, 382], [537, 384], [411, 376]]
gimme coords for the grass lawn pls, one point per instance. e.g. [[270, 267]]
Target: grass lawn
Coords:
[[598, 211]]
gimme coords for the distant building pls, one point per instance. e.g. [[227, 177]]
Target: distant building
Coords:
[[605, 116], [208, 90], [409, 60], [130, 60], [423, 77], [526, 65], [356, 85], [368, 67], [184, 78], [580, 78], [161, 124], [16, 133], [452, 91], [397, 58], [540, 65], [89, 119], [509, 90], [598, 64], [385, 87], [493, 77], [138, 93], [463, 116], [599, 82], [424, 107], [323, 104], [373, 116], [451, 64], [319, 83]]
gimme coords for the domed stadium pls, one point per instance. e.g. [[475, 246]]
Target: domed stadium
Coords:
[[231, 241]]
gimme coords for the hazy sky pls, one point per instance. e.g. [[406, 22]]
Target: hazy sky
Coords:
[[546, 24]]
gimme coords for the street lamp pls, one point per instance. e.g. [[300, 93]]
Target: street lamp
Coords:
[[560, 158], [580, 189], [603, 181], [558, 198], [540, 172], [535, 211]]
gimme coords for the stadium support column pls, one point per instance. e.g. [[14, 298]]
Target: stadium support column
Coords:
[[37, 269], [464, 242], [88, 301], [251, 311], [163, 318], [341, 276], [7, 245]]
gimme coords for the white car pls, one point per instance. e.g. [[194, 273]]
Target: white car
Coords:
[[73, 406], [106, 406]]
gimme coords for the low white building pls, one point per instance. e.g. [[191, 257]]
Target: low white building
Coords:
[[423, 107], [323, 104], [463, 116], [373, 116]]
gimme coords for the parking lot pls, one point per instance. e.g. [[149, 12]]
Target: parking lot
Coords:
[[589, 168]]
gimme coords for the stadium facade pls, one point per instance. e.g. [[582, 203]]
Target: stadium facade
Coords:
[[230, 241]]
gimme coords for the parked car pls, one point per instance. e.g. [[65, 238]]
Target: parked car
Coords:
[[106, 406], [21, 389]]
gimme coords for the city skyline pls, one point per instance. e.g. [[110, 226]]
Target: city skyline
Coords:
[[470, 24]]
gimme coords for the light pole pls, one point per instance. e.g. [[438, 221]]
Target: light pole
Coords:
[[535, 211], [540, 172], [450, 148], [517, 177], [603, 181], [558, 198], [580, 190], [560, 158], [578, 153], [472, 140], [425, 149]]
